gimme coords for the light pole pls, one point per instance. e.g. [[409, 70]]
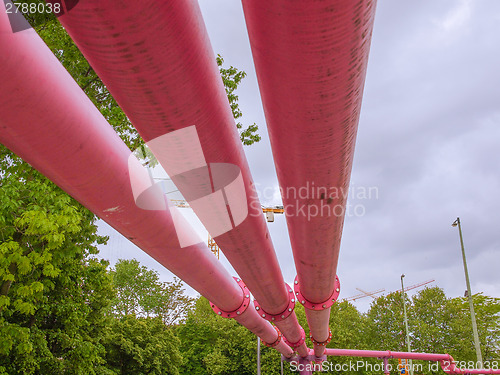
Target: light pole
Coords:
[[258, 355], [469, 295], [403, 295]]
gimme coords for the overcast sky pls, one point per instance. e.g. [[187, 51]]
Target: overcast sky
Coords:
[[428, 146]]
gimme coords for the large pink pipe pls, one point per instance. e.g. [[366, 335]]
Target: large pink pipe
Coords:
[[311, 60], [157, 62], [47, 120]]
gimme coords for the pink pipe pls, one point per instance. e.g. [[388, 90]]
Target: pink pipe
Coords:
[[253, 322], [311, 63], [46, 119], [159, 66], [447, 362], [385, 353]]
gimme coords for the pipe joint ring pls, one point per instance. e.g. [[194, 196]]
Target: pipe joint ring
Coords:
[[277, 341], [284, 314], [295, 345], [317, 306], [240, 310], [324, 343]]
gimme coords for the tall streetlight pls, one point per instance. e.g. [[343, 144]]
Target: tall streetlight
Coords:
[[403, 294], [469, 295]]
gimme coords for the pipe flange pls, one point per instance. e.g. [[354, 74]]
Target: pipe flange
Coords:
[[324, 343], [295, 345], [317, 306], [283, 315], [244, 304], [277, 341]]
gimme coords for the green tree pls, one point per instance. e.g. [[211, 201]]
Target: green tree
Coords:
[[53, 293], [487, 310], [348, 328], [433, 320], [385, 327], [437, 324], [141, 346], [213, 345], [141, 293], [443, 325], [232, 77]]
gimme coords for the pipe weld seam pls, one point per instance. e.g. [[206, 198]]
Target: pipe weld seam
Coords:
[[240, 310], [322, 343], [284, 314], [275, 342], [317, 306], [295, 345]]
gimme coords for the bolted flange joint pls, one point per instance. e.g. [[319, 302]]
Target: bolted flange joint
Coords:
[[284, 314], [324, 343], [295, 345], [317, 306], [244, 304], [277, 341]]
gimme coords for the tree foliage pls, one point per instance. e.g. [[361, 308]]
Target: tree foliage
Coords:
[[53, 293], [213, 345], [437, 324], [141, 346], [140, 293], [232, 77]]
